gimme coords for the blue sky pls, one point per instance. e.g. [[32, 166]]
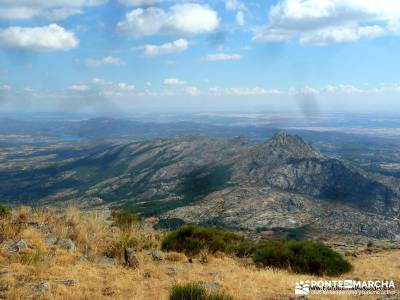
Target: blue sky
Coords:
[[135, 54]]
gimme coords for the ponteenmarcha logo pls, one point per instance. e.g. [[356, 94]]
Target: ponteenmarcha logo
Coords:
[[359, 287], [302, 288]]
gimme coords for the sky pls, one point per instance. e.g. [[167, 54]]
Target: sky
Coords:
[[139, 55]]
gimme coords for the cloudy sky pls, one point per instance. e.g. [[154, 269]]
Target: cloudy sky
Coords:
[[67, 55]]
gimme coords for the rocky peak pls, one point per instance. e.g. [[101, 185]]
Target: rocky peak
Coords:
[[281, 136], [286, 146], [283, 139]]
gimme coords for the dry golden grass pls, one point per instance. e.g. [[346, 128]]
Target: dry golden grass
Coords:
[[175, 256], [70, 277]]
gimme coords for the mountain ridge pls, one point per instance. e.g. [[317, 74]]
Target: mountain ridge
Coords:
[[284, 175]]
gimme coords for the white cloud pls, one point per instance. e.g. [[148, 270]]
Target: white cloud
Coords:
[[189, 18], [51, 9], [240, 18], [62, 13], [239, 7], [233, 5], [28, 89], [174, 81], [40, 39], [341, 35], [5, 87], [100, 81], [323, 22], [230, 4], [222, 57], [102, 87], [167, 48], [346, 89], [307, 90], [18, 13], [341, 88], [79, 88], [241, 91], [192, 90], [110, 93], [272, 35], [108, 60], [137, 2], [125, 87]]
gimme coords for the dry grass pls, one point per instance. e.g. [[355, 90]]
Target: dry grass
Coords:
[[175, 257], [70, 277]]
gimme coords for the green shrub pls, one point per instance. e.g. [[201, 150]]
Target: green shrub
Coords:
[[193, 291], [301, 257], [170, 224], [244, 249], [297, 233], [124, 218], [187, 292], [191, 240], [4, 211]]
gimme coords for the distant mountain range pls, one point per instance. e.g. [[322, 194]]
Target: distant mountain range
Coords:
[[107, 128], [281, 184]]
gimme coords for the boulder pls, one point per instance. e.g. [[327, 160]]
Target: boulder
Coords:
[[51, 240], [157, 255], [43, 287], [172, 271], [66, 244], [130, 258], [212, 286], [66, 281], [106, 261], [18, 246], [82, 258]]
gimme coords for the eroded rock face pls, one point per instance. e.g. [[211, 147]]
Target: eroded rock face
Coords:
[[285, 183], [255, 209], [290, 164]]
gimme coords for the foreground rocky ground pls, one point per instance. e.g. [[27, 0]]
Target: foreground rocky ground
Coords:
[[70, 254]]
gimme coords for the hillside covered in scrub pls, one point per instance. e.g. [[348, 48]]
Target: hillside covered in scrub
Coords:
[[53, 253], [283, 183]]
